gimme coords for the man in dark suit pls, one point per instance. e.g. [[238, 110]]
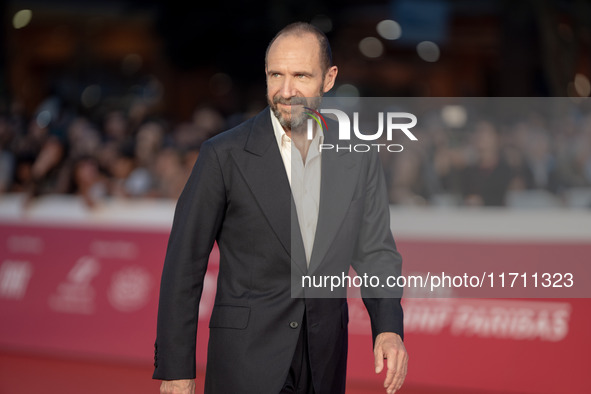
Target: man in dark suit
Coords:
[[277, 214]]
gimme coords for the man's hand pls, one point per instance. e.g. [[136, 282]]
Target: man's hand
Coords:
[[184, 386], [389, 346]]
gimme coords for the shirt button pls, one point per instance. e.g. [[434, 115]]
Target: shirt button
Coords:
[[294, 324]]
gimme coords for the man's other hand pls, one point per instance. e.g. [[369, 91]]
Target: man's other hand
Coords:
[[184, 386], [389, 347]]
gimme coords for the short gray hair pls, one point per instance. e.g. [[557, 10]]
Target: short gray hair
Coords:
[[299, 28]]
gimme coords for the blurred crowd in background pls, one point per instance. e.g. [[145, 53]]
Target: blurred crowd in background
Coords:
[[530, 162], [113, 98], [127, 153], [134, 153]]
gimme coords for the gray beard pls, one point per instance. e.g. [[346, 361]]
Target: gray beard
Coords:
[[296, 123]]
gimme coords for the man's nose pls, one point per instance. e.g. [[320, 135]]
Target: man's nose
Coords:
[[288, 88]]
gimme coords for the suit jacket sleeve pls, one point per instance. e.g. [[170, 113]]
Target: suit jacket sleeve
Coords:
[[377, 255], [197, 221]]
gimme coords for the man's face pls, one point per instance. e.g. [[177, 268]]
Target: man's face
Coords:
[[294, 73]]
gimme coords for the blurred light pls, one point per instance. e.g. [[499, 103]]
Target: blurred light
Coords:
[[454, 116], [389, 29], [582, 85], [347, 90], [572, 94], [371, 47], [428, 51], [43, 118], [322, 22], [91, 96], [131, 64], [347, 95], [22, 18], [220, 84]]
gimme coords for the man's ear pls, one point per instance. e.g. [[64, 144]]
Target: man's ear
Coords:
[[329, 78]]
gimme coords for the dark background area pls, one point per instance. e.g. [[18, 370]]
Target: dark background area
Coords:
[[487, 48]]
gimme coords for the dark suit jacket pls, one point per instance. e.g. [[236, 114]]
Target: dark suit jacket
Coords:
[[238, 195]]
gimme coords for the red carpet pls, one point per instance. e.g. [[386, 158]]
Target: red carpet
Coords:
[[27, 374]]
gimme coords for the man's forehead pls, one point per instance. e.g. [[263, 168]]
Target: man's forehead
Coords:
[[295, 40]]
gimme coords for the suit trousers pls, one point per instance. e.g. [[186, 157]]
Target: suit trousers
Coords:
[[299, 378]]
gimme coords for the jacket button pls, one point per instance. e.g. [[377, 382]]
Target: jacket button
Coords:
[[294, 324]]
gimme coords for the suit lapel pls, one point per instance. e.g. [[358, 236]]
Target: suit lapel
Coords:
[[261, 165], [337, 186]]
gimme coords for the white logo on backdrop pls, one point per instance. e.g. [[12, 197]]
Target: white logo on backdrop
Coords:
[[546, 321], [14, 278], [76, 294], [130, 289], [25, 244]]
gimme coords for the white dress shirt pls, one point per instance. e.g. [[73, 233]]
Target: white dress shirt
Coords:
[[304, 180]]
